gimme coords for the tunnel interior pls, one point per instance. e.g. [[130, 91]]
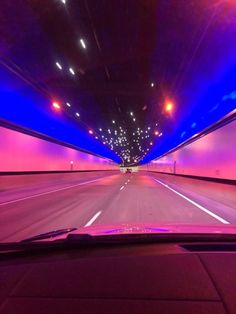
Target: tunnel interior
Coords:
[[117, 116], [126, 80]]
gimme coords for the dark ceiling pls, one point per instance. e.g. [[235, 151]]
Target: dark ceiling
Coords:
[[134, 59]]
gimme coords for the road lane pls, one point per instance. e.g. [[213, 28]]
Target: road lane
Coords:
[[51, 191], [15, 187], [220, 198], [145, 201], [219, 192], [112, 199], [72, 207], [207, 211]]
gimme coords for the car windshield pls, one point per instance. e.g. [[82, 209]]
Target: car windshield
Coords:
[[117, 116]]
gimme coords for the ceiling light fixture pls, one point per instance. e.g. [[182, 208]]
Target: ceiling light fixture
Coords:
[[169, 107], [56, 105], [72, 71], [82, 43], [58, 65]]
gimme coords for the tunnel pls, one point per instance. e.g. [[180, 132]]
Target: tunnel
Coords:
[[116, 113]]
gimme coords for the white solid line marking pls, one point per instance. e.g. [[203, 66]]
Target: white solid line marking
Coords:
[[122, 188], [49, 192], [194, 203], [93, 219]]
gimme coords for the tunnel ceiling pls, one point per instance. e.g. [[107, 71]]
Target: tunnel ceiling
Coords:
[[134, 73]]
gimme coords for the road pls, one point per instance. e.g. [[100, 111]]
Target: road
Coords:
[[40, 204]]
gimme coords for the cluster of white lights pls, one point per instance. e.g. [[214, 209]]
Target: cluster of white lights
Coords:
[[82, 42], [115, 137], [83, 45], [132, 115], [70, 70], [57, 106], [60, 67]]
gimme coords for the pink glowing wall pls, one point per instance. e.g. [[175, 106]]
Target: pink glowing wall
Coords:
[[21, 152], [213, 155]]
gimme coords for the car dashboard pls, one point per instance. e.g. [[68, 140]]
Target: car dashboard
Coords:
[[138, 278]]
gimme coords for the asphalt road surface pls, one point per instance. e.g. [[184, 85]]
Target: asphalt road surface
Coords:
[[48, 202]]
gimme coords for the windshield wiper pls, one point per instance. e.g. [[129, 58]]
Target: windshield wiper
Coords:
[[48, 235], [84, 240]]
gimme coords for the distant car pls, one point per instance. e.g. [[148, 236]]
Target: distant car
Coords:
[[128, 170]]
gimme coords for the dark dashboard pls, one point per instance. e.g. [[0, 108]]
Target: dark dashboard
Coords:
[[150, 278]]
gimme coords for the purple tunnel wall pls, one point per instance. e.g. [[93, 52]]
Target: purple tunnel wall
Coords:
[[21, 152], [213, 155]]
